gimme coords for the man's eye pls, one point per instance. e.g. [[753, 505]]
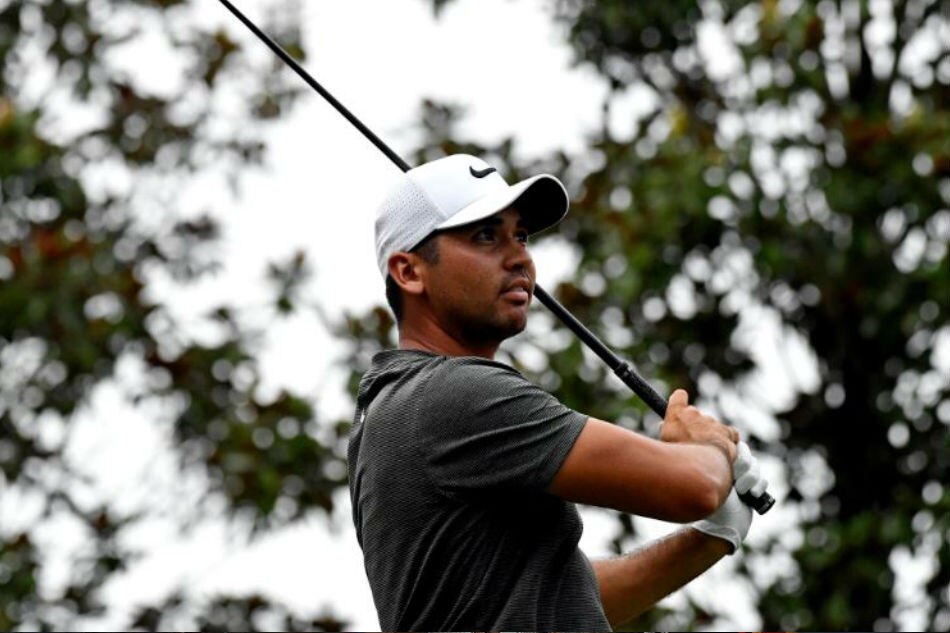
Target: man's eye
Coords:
[[485, 234], [522, 236]]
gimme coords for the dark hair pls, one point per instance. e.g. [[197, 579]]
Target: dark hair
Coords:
[[428, 250]]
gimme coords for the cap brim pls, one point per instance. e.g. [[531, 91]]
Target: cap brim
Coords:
[[542, 201]]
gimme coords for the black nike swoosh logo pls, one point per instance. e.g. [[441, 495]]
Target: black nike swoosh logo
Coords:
[[482, 173]]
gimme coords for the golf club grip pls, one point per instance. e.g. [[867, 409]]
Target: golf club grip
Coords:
[[761, 504]]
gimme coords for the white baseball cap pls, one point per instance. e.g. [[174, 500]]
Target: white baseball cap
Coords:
[[458, 190]]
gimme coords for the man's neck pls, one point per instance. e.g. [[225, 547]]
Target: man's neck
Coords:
[[438, 341]]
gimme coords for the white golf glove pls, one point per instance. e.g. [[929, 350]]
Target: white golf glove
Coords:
[[732, 520], [746, 474]]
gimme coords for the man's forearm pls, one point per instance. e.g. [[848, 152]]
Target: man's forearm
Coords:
[[630, 584]]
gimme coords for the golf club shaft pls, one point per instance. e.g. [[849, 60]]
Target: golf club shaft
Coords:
[[297, 68], [621, 368]]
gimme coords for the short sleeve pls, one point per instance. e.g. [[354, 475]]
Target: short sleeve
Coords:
[[485, 427]]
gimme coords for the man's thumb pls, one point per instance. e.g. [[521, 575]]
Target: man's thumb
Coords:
[[679, 400]]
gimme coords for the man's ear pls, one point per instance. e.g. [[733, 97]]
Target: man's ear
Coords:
[[404, 269]]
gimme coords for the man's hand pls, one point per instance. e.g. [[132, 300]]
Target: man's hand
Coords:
[[732, 520], [746, 472], [686, 424]]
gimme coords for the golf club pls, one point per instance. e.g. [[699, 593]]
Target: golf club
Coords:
[[620, 367]]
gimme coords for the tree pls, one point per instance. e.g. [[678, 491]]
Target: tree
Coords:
[[91, 156], [793, 168]]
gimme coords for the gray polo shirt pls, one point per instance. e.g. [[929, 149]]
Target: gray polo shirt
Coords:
[[449, 459]]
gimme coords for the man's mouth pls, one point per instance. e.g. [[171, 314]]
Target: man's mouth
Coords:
[[518, 291]]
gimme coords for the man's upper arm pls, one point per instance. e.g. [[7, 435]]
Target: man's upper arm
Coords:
[[613, 467]]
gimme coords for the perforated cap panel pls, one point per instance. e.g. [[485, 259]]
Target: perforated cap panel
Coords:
[[404, 219]]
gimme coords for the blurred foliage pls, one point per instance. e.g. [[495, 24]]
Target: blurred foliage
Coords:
[[767, 162], [252, 613], [92, 157]]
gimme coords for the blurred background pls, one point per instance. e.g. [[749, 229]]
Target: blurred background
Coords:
[[188, 294]]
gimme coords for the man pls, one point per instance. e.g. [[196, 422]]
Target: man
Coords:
[[463, 474]]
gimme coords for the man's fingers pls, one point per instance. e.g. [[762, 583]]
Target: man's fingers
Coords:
[[748, 480], [743, 461], [732, 453], [759, 488], [728, 448], [747, 473]]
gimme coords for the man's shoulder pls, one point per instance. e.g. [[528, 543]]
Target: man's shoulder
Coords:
[[402, 360], [426, 380], [475, 372]]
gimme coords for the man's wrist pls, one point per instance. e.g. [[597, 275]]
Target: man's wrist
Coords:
[[712, 544], [720, 542]]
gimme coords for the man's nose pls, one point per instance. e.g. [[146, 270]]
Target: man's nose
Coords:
[[517, 256]]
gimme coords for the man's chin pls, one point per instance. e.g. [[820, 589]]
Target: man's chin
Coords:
[[513, 318], [500, 329], [514, 326]]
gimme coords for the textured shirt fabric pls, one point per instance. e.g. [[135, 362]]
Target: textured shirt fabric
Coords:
[[449, 459]]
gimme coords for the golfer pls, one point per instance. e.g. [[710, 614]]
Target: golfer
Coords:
[[463, 474]]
